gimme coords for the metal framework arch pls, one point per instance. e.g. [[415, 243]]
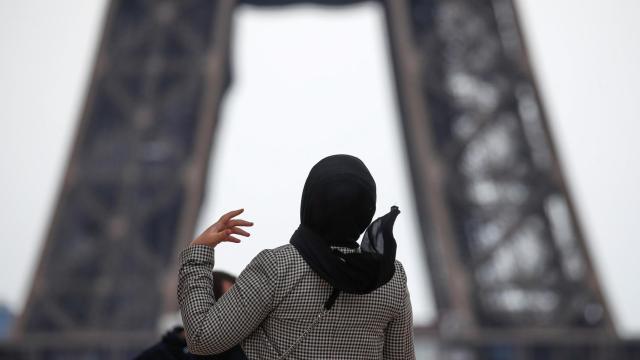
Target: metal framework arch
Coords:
[[504, 246]]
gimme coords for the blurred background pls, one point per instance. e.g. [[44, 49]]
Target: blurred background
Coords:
[[504, 130]]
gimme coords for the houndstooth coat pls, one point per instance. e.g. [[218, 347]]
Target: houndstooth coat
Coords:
[[274, 300]]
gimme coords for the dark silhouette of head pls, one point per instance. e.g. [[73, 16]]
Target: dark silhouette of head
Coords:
[[222, 281], [338, 199]]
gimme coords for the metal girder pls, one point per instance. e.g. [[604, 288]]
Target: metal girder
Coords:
[[135, 180], [503, 243]]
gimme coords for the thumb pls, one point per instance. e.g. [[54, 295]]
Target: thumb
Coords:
[[211, 237]]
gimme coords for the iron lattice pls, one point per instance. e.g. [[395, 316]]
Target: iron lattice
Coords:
[[503, 244]]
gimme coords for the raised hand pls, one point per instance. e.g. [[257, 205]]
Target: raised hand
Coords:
[[223, 230]]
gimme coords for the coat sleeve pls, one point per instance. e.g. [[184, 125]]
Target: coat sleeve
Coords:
[[398, 343], [213, 327]]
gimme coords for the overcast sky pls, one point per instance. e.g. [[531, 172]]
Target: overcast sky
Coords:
[[584, 58]]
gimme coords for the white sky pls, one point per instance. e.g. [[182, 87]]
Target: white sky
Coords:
[[584, 56], [343, 102]]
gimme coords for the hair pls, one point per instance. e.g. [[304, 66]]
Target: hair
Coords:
[[218, 278]]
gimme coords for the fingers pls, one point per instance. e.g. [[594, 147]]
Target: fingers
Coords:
[[232, 239], [239, 231], [225, 235], [224, 229], [211, 238], [231, 214], [239, 222]]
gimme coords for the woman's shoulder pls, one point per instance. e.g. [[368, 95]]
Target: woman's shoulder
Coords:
[[284, 249], [399, 279], [283, 253], [400, 270], [285, 258]]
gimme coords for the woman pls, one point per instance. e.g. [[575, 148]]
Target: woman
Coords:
[[322, 296]]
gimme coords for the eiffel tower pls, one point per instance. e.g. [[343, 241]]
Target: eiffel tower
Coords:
[[507, 257]]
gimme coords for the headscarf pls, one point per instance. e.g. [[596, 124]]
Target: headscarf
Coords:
[[338, 203]]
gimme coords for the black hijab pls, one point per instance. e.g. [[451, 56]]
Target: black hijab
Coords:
[[338, 203]]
